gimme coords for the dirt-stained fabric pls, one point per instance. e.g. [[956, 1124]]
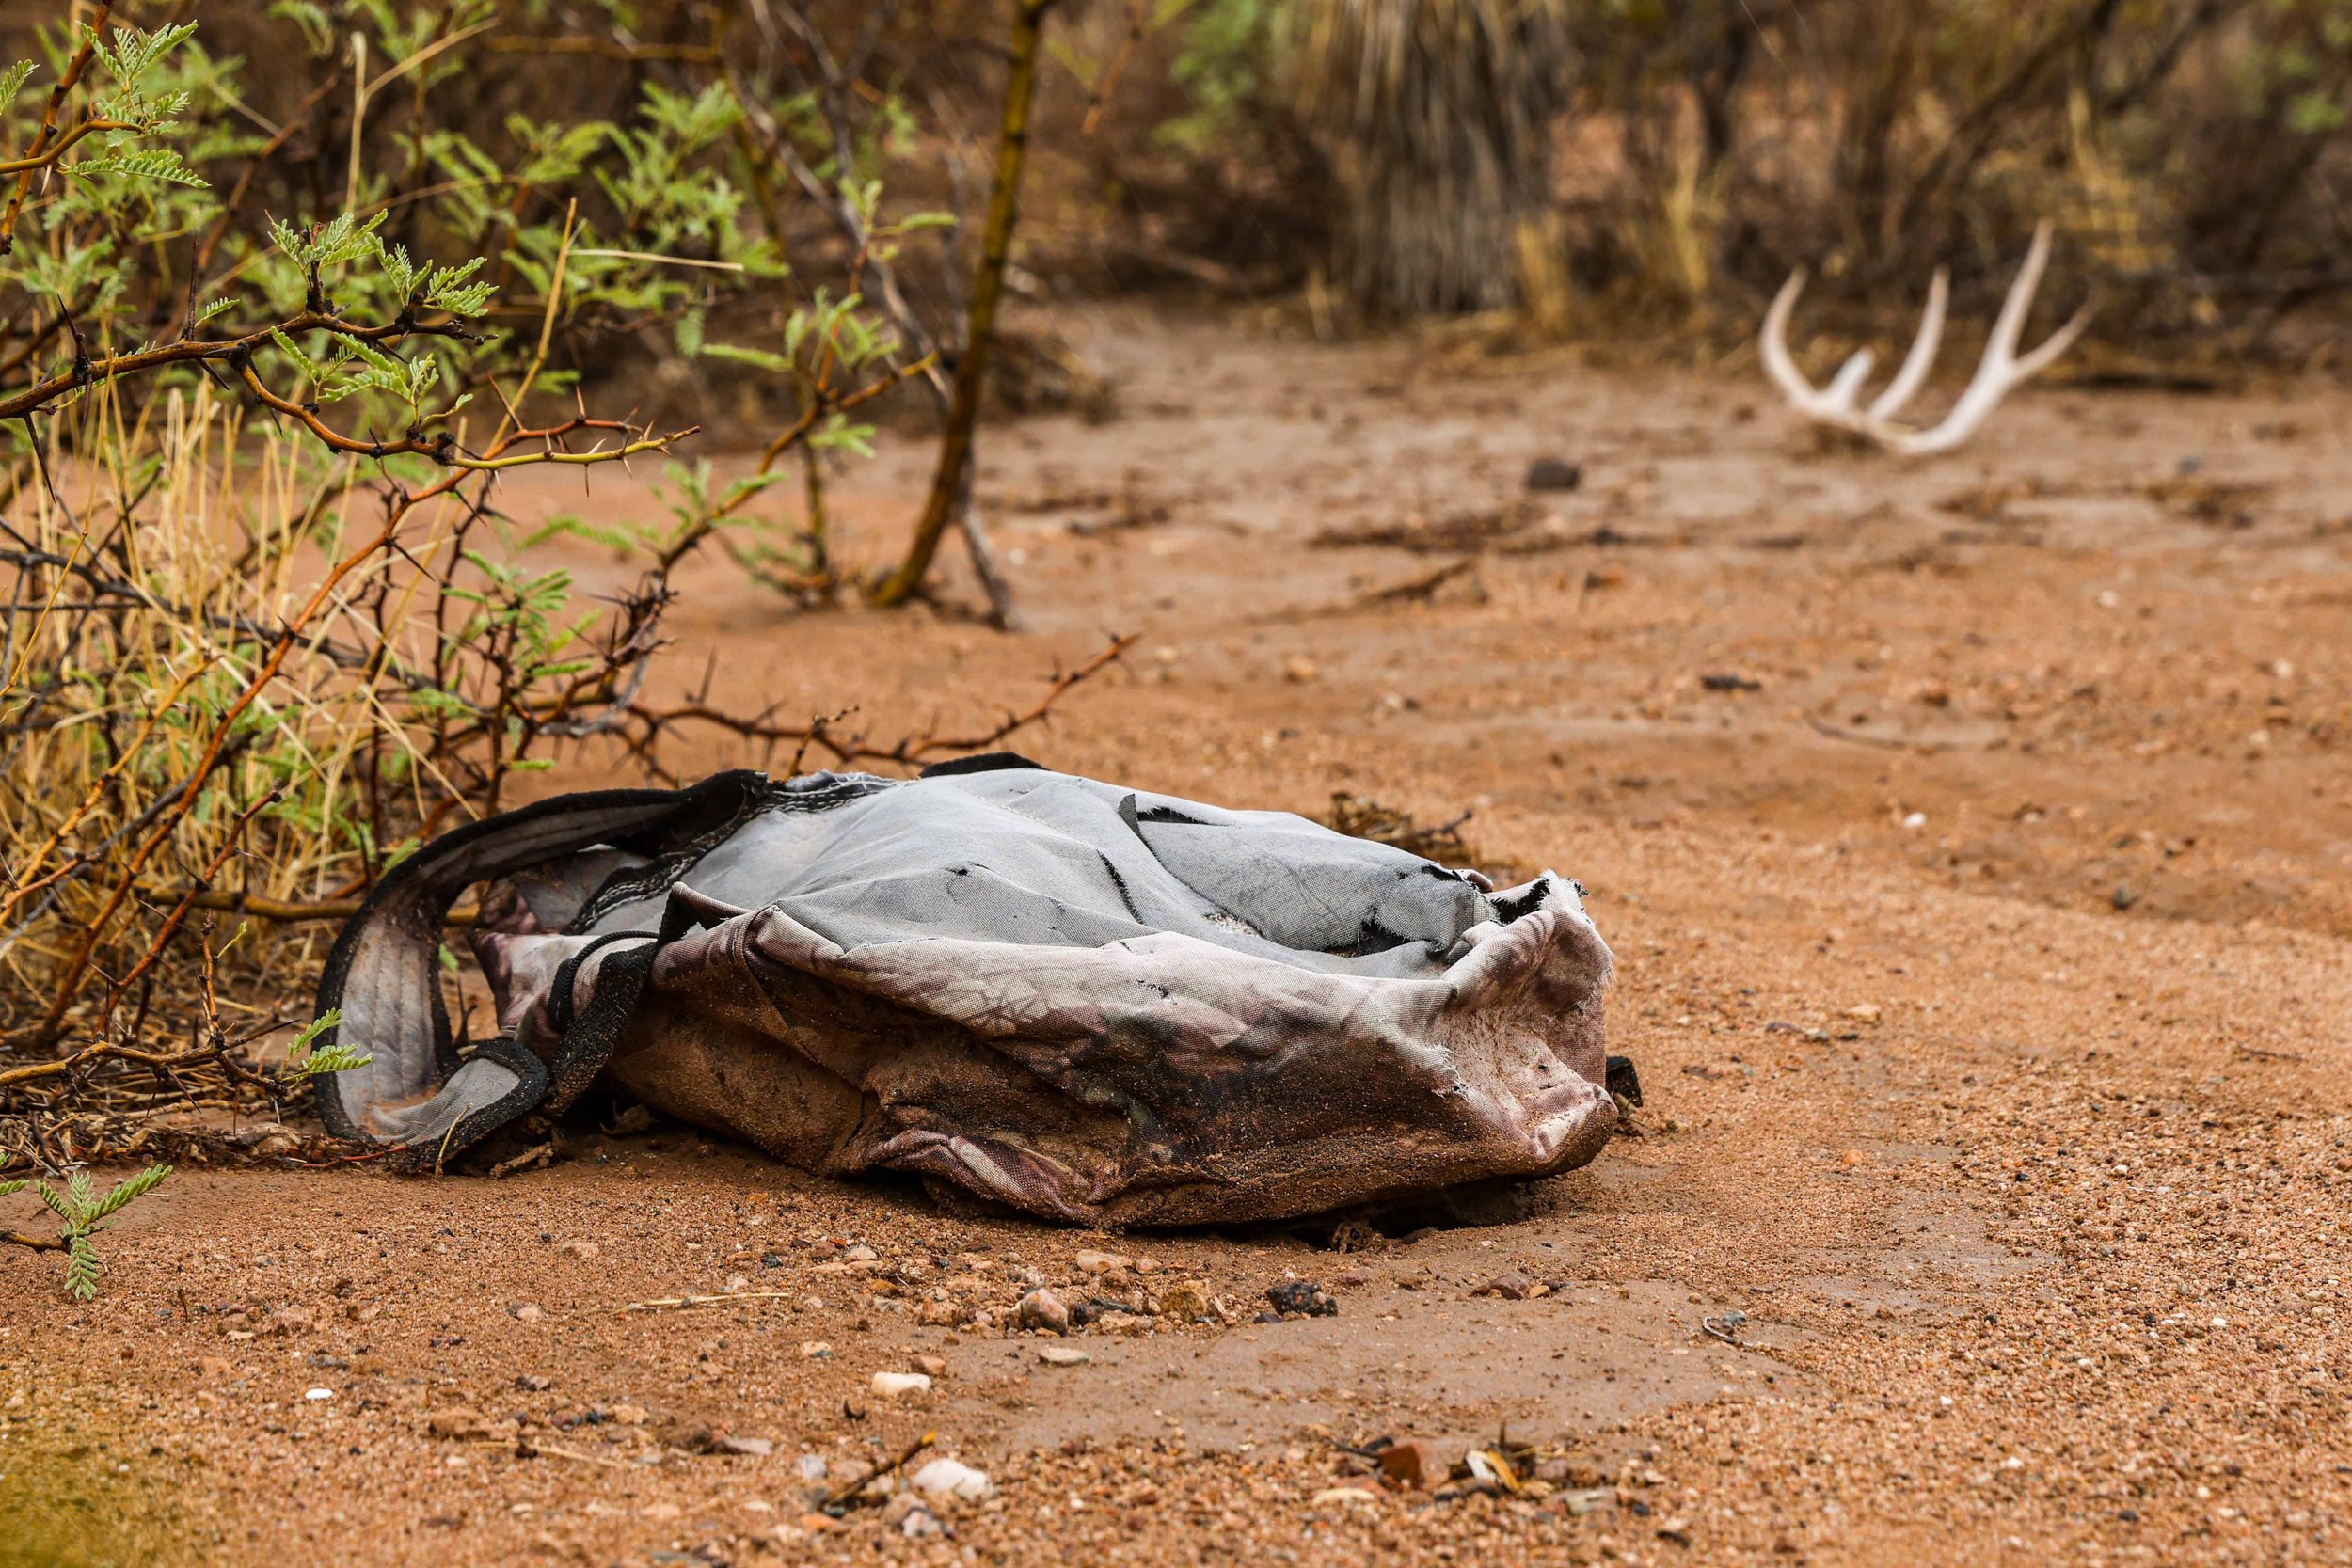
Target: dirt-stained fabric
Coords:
[[1086, 1002]]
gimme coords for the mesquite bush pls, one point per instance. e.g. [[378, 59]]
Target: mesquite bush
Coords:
[[266, 629]]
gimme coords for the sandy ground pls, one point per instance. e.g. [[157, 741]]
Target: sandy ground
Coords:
[[1981, 926]]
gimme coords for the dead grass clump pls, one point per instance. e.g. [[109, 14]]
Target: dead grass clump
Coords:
[[1442, 841]]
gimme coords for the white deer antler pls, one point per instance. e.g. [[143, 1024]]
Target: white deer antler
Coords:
[[1999, 372]]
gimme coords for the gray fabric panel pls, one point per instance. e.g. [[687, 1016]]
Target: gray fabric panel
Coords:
[[1307, 887], [475, 1085], [1032, 857]]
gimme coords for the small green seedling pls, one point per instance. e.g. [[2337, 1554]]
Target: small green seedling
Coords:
[[305, 1059], [84, 1214]]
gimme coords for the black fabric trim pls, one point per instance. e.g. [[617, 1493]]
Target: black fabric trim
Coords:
[[1169, 814], [589, 1041], [631, 884], [1509, 910], [560, 1011], [1120, 883], [986, 762], [530, 1087]]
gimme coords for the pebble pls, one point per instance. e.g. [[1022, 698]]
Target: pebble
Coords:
[[914, 1521], [1044, 1309], [1187, 1300], [814, 1350], [1304, 1297], [891, 1386], [1415, 1462], [463, 1423], [1555, 473], [1062, 1356], [949, 1477], [1345, 1495], [1090, 1262]]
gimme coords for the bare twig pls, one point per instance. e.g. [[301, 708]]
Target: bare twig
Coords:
[[847, 1490], [1138, 21], [675, 1304], [909, 750]]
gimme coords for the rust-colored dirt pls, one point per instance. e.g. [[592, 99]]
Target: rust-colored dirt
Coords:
[[1981, 927]]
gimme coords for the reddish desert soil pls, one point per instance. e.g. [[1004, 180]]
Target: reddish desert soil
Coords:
[[1982, 946]]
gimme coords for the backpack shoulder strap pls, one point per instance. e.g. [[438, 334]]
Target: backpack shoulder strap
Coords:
[[384, 972]]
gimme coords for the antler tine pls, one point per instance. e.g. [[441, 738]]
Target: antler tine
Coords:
[[2000, 370], [1838, 398], [1833, 402], [2055, 343], [1913, 374], [2010, 324], [1773, 345]]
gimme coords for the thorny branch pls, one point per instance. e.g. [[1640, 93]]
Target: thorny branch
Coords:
[[911, 750], [34, 160]]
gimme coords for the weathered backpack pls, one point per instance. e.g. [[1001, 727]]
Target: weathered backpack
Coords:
[[1088, 1003]]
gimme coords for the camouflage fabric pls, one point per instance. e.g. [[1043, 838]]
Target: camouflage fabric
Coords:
[[1088, 1003]]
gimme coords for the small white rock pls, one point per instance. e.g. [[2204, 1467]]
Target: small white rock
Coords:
[[949, 1478], [318, 1394], [891, 1386]]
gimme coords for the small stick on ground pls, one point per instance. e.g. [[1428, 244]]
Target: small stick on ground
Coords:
[[1887, 742], [1420, 587], [672, 1304], [848, 1490], [528, 1158], [529, 1449]]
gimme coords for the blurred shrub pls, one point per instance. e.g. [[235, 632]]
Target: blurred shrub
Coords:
[[1677, 158]]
